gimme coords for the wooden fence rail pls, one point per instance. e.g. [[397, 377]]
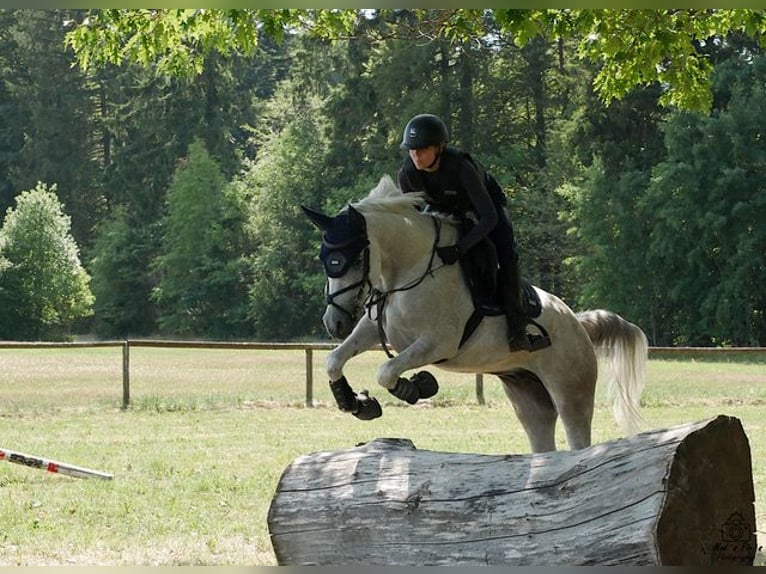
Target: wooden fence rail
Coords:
[[308, 349]]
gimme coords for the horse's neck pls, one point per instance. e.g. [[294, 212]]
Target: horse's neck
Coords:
[[401, 246]]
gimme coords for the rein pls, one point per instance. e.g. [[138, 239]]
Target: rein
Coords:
[[378, 298]]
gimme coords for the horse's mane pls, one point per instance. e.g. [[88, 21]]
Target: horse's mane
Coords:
[[387, 196]]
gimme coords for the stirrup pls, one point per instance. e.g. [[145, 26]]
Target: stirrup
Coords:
[[537, 342], [531, 342]]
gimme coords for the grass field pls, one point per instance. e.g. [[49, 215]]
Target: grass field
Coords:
[[198, 455]]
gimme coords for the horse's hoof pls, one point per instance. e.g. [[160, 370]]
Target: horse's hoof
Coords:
[[369, 407], [426, 384]]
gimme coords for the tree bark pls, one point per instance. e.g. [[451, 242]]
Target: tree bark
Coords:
[[679, 496]]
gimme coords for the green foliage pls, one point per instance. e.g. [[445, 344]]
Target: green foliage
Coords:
[[42, 283], [634, 48], [121, 284], [178, 40], [57, 103], [613, 231], [638, 48], [678, 244], [148, 124], [709, 204], [199, 290], [312, 104], [13, 120], [285, 294]]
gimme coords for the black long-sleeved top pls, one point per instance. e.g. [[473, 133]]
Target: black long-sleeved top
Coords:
[[456, 187]]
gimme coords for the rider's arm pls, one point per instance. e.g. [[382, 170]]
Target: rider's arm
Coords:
[[473, 183]]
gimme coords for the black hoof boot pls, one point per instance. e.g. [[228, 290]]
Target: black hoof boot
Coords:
[[362, 406], [369, 407], [406, 390], [426, 384], [344, 396], [422, 385]]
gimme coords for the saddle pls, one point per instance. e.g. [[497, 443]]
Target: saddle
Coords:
[[479, 267]]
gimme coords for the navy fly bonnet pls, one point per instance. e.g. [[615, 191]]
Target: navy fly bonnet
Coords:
[[343, 242]]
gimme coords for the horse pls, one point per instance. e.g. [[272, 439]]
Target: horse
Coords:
[[386, 285]]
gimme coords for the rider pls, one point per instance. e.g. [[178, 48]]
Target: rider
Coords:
[[457, 184]]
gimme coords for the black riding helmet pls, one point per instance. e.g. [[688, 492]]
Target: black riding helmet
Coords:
[[424, 130]]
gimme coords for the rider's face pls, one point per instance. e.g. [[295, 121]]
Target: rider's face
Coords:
[[424, 158]]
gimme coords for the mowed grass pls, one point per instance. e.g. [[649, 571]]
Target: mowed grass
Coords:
[[198, 455]]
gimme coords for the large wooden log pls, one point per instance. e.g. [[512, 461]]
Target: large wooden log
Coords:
[[678, 496]]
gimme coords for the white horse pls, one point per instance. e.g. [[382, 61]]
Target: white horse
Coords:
[[379, 254]]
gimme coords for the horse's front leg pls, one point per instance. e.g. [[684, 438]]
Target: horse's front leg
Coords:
[[421, 385], [361, 405]]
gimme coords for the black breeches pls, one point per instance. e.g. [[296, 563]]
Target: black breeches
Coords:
[[509, 276], [505, 242]]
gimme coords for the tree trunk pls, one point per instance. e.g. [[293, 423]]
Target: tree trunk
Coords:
[[680, 496]]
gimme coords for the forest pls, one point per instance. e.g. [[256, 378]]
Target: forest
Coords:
[[139, 202]]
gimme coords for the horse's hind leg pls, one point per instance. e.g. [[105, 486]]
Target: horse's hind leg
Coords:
[[577, 416], [572, 391], [534, 408]]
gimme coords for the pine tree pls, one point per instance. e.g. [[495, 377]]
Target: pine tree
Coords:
[[200, 290], [57, 102]]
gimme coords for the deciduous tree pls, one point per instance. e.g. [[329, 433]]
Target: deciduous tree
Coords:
[[43, 284], [633, 47]]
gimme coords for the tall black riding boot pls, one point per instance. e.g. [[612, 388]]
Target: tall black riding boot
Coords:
[[510, 286], [518, 337]]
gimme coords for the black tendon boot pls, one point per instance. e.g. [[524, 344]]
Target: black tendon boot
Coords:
[[518, 337]]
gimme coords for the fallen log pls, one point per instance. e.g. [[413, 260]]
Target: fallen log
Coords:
[[678, 496]]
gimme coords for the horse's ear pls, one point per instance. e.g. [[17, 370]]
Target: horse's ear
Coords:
[[321, 220], [355, 219]]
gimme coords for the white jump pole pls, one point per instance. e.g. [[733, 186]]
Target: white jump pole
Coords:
[[52, 465]]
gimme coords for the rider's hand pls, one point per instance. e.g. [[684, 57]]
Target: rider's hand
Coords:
[[449, 254]]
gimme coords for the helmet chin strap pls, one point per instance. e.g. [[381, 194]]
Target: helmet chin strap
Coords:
[[436, 159]]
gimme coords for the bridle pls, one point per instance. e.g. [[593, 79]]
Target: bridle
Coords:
[[376, 299], [363, 284]]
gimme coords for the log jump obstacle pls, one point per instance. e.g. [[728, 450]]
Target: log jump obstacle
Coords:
[[678, 496]]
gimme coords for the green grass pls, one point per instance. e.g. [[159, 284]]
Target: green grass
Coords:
[[197, 457]]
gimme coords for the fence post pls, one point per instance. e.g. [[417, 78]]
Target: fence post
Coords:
[[480, 388], [125, 374], [309, 377]]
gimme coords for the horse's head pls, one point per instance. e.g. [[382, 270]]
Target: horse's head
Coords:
[[345, 256]]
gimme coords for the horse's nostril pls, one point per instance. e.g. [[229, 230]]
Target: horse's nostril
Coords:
[[342, 329], [336, 329]]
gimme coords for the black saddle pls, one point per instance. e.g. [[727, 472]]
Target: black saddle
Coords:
[[480, 268]]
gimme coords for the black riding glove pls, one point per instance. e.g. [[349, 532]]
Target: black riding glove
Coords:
[[449, 254]]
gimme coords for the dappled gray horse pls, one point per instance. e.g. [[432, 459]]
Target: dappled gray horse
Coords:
[[379, 256]]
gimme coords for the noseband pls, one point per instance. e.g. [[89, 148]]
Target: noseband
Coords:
[[362, 284]]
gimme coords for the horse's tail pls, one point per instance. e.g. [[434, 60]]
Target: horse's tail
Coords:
[[622, 347]]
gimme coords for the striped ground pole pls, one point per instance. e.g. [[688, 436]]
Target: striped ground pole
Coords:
[[52, 465]]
